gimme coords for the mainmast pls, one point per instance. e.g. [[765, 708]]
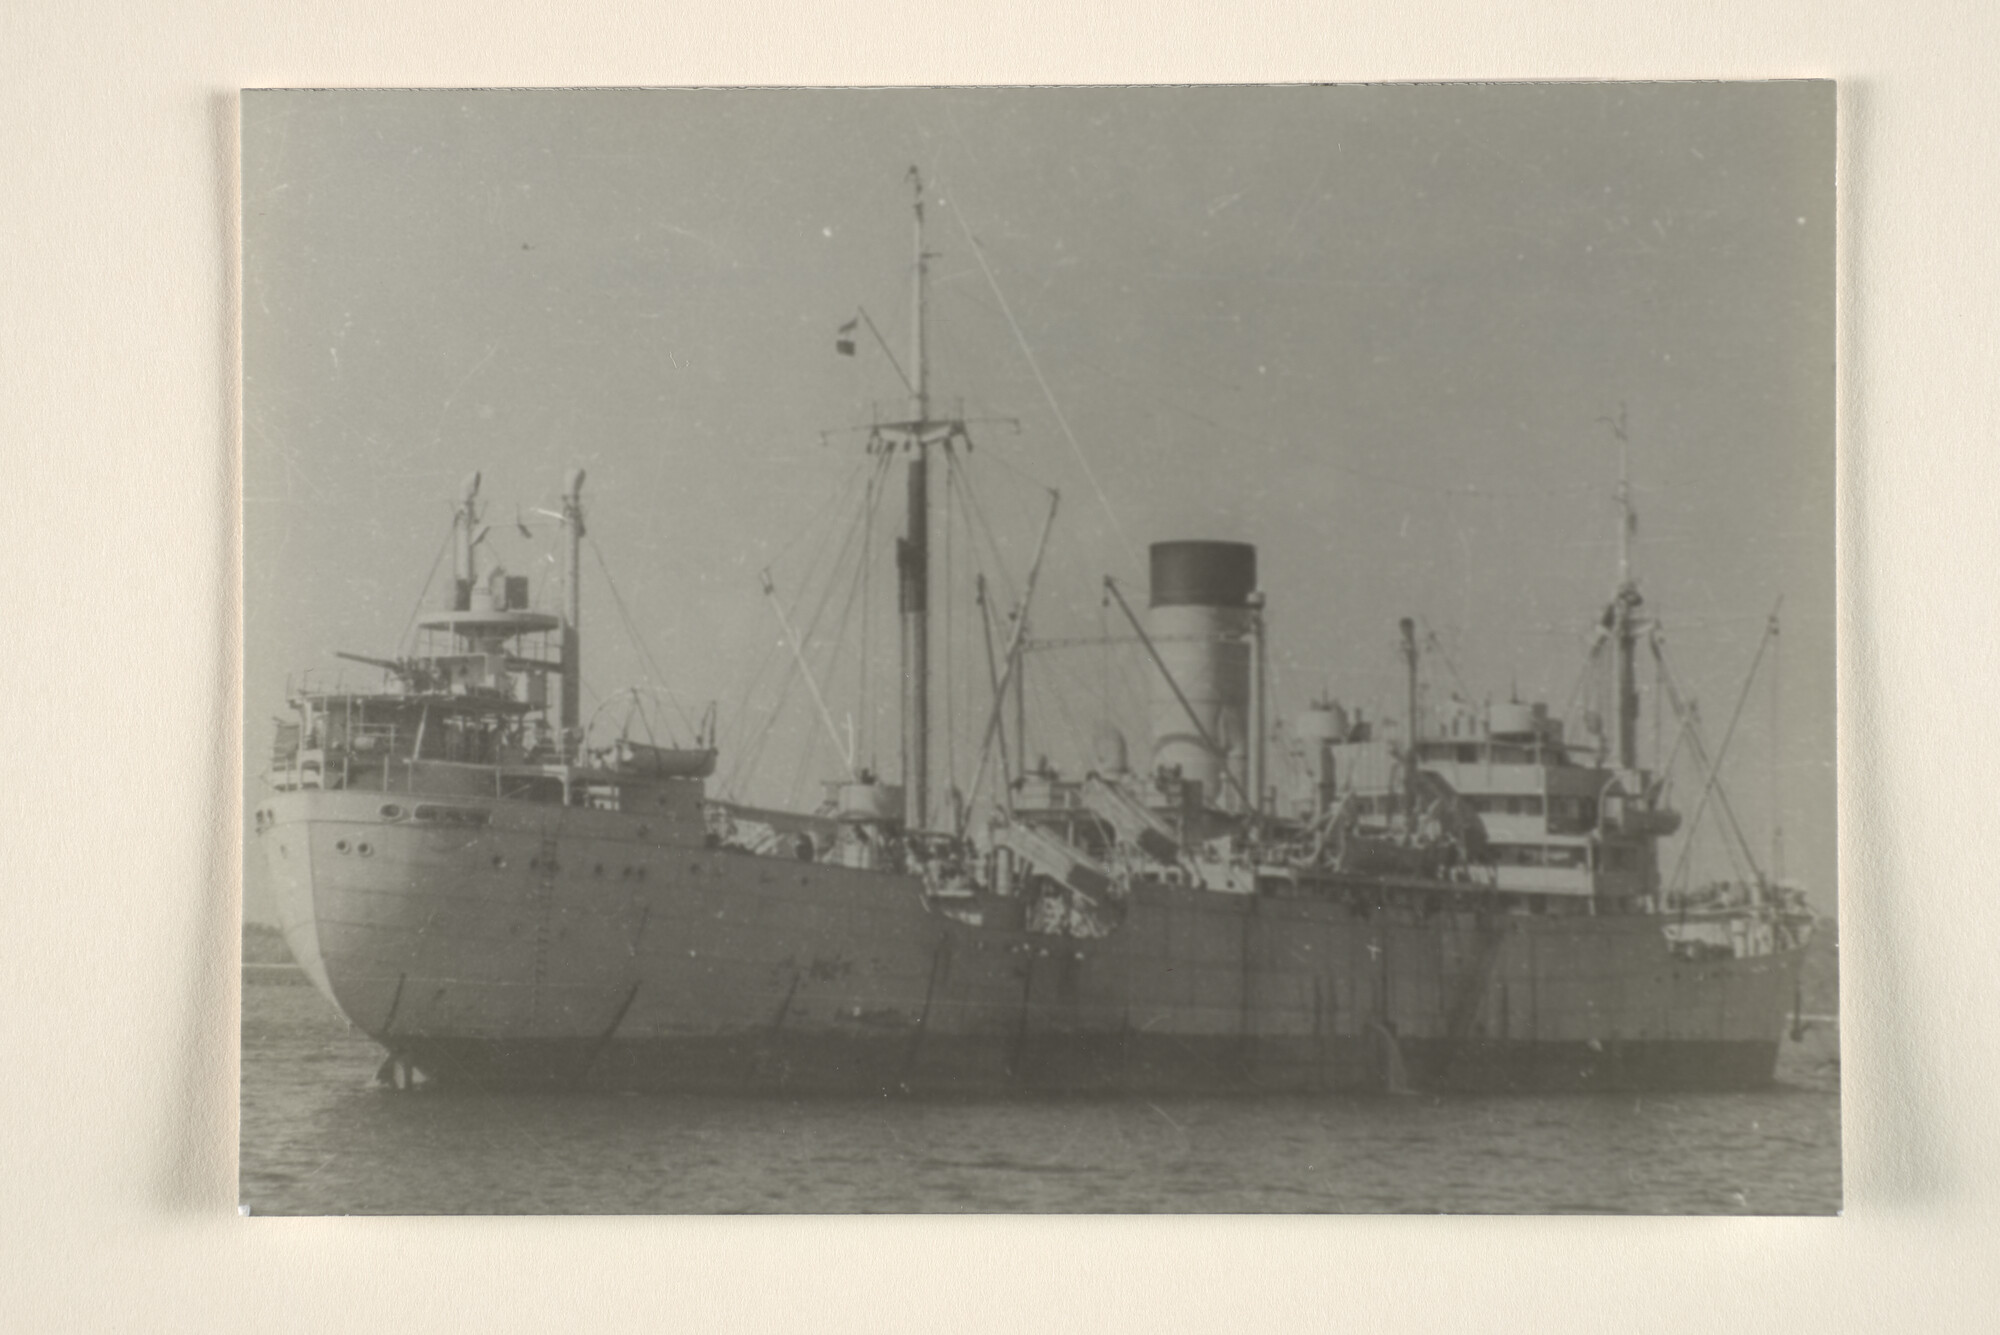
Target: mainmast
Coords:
[[569, 720], [913, 552]]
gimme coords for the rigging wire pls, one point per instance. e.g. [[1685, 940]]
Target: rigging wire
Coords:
[[994, 697], [834, 502], [960, 480], [1713, 785], [977, 508], [631, 629], [1000, 461], [747, 750], [1154, 398], [843, 621], [833, 579], [979, 253], [960, 484], [771, 652], [825, 597], [402, 641]]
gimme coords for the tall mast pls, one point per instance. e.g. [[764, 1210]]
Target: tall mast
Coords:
[[569, 717], [1409, 630], [1624, 609], [1260, 723], [913, 555]]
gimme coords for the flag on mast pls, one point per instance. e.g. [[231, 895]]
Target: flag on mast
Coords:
[[843, 342]]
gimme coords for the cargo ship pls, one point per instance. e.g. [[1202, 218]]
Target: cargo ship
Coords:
[[1460, 897]]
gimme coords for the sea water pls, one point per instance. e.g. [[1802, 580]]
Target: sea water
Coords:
[[319, 1136]]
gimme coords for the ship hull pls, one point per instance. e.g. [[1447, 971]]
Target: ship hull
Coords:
[[818, 1065], [545, 947]]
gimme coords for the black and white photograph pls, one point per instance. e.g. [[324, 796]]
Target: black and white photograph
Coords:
[[1023, 650]]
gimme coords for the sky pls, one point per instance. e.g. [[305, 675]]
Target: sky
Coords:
[[1376, 330]]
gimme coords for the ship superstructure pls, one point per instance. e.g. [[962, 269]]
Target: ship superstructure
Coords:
[[1459, 898]]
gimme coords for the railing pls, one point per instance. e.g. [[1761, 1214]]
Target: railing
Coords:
[[295, 766]]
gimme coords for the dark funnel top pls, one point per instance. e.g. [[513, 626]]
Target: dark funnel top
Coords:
[[1203, 574]]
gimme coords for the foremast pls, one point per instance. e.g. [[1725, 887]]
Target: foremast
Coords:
[[918, 435], [468, 532], [481, 623]]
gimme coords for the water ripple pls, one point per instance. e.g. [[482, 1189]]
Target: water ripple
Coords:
[[320, 1138]]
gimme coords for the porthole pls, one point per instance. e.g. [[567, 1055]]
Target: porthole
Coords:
[[499, 863], [342, 846], [366, 850], [391, 811]]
